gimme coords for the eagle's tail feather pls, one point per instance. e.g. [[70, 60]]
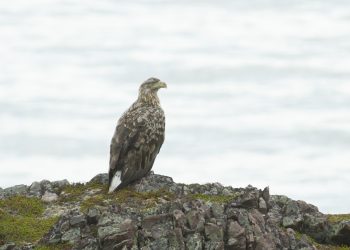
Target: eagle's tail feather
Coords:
[[116, 181]]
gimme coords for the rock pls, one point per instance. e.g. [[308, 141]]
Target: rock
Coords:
[[35, 189], [93, 216], [307, 208], [103, 232], [292, 216], [262, 205], [292, 222], [243, 218], [157, 226], [60, 184], [8, 246], [77, 220], [157, 213], [26, 246], [266, 194], [316, 225], [179, 218], [280, 200], [100, 178], [291, 235], [109, 224], [195, 220], [236, 236], [159, 243], [213, 232], [65, 226], [152, 183], [214, 245], [194, 242], [340, 233], [54, 237], [265, 242], [214, 236], [304, 244], [56, 210], [71, 236], [118, 235], [176, 240], [215, 188], [117, 241], [218, 210], [108, 218], [250, 199], [257, 223], [46, 186], [15, 190], [226, 191], [49, 197], [291, 208], [88, 244]]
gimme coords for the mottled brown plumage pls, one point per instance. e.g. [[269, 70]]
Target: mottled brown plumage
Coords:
[[138, 137]]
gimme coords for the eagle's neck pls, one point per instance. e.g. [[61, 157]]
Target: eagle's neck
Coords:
[[148, 98]]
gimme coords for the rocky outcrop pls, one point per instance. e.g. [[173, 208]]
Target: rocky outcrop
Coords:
[[157, 213]]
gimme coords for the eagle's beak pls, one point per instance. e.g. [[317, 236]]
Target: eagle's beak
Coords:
[[160, 84]]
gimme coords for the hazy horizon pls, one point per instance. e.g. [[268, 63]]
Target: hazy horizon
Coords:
[[258, 93]]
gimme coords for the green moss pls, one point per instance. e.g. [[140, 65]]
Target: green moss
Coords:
[[142, 200], [75, 191], [21, 205], [214, 198], [126, 194], [94, 230], [319, 246], [20, 220], [298, 235], [20, 229], [334, 218], [98, 200]]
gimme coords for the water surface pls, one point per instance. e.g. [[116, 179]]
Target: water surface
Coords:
[[259, 92]]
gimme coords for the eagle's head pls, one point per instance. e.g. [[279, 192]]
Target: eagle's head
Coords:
[[148, 90], [152, 84]]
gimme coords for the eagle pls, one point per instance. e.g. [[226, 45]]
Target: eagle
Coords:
[[138, 137]]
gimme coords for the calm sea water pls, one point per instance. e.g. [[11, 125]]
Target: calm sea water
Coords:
[[259, 91]]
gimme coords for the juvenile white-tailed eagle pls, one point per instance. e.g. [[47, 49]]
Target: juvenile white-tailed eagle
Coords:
[[138, 137]]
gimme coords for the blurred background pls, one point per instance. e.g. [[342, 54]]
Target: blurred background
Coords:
[[258, 91]]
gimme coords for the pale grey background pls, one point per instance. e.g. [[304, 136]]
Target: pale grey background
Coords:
[[259, 91]]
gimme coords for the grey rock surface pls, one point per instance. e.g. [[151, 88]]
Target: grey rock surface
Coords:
[[157, 213], [35, 189], [341, 232], [100, 178], [49, 197], [15, 190]]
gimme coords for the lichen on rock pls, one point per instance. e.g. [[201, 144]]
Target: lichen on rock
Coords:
[[157, 213]]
